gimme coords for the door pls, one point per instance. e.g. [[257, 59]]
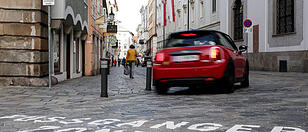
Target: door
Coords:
[[256, 39], [68, 56], [83, 57], [238, 58]]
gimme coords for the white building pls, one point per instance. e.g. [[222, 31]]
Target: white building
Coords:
[[124, 41], [279, 38], [202, 14]]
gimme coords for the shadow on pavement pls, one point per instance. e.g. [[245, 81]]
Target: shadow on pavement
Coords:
[[200, 90]]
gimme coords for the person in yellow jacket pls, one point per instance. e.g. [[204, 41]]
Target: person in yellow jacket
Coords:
[[131, 60]]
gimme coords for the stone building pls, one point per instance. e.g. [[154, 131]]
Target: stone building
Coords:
[[95, 42], [23, 43]]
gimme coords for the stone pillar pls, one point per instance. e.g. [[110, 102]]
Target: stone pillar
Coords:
[[23, 43]]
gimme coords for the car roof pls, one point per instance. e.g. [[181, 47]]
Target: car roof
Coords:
[[196, 30]]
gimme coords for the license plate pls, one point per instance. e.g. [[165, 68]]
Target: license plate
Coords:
[[186, 58]]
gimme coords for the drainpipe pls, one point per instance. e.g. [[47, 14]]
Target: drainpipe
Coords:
[[187, 14]]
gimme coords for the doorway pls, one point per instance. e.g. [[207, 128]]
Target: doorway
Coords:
[[83, 57], [68, 56]]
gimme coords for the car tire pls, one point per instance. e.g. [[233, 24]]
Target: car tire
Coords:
[[245, 82], [227, 84], [160, 89]]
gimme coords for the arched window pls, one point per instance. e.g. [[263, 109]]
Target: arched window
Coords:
[[285, 16], [238, 20]]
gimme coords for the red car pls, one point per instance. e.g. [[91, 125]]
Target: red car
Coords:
[[199, 57]]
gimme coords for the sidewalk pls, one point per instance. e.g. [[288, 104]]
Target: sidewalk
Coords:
[[85, 88]]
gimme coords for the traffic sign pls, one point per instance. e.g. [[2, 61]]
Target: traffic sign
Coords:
[[247, 23], [48, 2]]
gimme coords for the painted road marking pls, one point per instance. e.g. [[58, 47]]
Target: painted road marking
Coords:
[[112, 125]]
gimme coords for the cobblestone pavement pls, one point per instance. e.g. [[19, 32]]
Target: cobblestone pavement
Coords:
[[274, 102]]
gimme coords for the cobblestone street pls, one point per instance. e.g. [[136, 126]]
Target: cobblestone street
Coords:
[[274, 102]]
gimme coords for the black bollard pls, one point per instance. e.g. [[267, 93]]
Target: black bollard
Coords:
[[149, 74], [104, 78], [108, 66]]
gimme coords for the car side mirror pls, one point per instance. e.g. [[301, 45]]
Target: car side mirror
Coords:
[[243, 48]]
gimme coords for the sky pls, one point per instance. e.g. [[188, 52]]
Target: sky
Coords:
[[129, 14]]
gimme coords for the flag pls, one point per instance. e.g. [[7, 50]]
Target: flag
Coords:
[[162, 13], [173, 11], [165, 13]]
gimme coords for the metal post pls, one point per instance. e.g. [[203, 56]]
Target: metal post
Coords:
[[104, 78], [49, 46], [149, 74], [164, 33], [187, 14]]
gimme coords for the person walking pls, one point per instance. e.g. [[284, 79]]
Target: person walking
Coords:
[[119, 62], [131, 60]]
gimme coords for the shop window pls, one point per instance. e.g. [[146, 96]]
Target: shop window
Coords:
[[238, 20]]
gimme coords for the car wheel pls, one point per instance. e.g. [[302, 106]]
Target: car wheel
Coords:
[[160, 89], [245, 83], [228, 80]]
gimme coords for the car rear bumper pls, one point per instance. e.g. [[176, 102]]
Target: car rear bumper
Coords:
[[186, 82], [188, 76]]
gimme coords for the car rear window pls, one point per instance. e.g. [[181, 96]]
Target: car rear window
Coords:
[[190, 39]]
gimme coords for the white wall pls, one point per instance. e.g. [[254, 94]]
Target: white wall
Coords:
[[258, 16], [305, 42]]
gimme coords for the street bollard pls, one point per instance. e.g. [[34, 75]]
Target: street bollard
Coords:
[[104, 78], [149, 74], [108, 66]]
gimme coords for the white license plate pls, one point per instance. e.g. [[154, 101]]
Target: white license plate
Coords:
[[186, 58]]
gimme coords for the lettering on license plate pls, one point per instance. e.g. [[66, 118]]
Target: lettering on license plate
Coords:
[[186, 58]]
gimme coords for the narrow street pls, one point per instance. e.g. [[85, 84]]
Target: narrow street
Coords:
[[274, 102]]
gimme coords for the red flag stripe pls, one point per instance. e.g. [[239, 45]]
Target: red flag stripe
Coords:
[[173, 13], [165, 12]]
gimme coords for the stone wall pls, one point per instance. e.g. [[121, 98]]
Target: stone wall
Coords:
[[297, 61], [23, 43]]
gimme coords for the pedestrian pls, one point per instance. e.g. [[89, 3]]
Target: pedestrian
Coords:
[[115, 62], [131, 60], [138, 62], [119, 62], [123, 61]]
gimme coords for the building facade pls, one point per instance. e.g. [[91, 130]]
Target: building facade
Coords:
[[278, 41], [69, 31], [23, 43], [188, 15]]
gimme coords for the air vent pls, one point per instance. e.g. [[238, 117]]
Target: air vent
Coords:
[[283, 66]]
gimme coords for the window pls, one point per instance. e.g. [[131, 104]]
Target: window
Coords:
[[201, 8], [93, 8], [223, 40], [180, 40], [214, 6], [238, 20], [57, 50], [285, 16]]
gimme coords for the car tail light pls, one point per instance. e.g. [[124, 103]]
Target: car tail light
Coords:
[[188, 34], [215, 54], [160, 57]]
